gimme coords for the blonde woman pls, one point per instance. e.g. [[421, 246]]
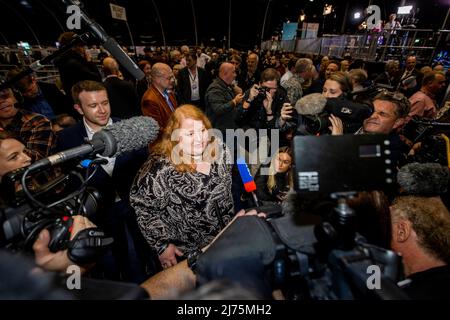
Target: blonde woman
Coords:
[[273, 182]]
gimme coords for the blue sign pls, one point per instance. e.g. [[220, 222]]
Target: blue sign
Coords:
[[289, 31]]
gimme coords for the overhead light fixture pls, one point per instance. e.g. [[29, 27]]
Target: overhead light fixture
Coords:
[[327, 9], [357, 15]]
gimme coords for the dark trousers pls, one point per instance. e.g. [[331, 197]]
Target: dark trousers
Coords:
[[130, 258]]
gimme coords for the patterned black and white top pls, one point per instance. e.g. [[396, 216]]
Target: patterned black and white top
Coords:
[[186, 209]]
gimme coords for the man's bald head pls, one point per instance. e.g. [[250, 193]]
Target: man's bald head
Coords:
[[110, 66], [162, 76], [227, 72]]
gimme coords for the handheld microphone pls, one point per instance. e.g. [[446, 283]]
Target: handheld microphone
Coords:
[[247, 179], [112, 141]]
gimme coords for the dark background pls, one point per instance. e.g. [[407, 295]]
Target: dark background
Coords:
[[27, 20]]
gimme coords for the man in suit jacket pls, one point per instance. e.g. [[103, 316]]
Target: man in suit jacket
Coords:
[[192, 83], [122, 94], [159, 101], [411, 79], [113, 181]]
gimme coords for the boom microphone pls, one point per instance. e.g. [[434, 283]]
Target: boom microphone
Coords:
[[311, 104], [112, 141], [247, 179], [424, 179], [109, 44]]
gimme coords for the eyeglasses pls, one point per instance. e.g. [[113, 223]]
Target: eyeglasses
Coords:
[[395, 97], [268, 88]]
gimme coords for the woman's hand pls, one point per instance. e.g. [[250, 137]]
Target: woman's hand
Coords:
[[286, 112], [169, 257], [337, 127]]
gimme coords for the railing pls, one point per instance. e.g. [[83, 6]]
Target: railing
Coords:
[[379, 46]]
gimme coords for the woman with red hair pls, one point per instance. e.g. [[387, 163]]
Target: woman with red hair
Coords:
[[182, 194]]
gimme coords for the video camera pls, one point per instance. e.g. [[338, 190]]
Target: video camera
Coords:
[[319, 261], [351, 113], [433, 136], [27, 211]]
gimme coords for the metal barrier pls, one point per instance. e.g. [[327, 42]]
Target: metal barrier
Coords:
[[368, 46]]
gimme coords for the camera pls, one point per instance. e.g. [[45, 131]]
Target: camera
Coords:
[[310, 257], [261, 94], [351, 113], [25, 213]]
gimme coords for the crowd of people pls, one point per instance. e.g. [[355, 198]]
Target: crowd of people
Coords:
[[164, 205]]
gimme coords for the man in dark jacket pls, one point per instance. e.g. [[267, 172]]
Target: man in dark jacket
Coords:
[[75, 65], [122, 94], [113, 181], [221, 99], [192, 83], [41, 97]]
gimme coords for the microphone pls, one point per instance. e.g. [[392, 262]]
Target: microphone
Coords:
[[311, 104], [110, 44], [423, 179], [430, 122], [112, 141], [247, 179]]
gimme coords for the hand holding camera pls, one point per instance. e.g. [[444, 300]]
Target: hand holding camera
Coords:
[[57, 261], [286, 113], [337, 127]]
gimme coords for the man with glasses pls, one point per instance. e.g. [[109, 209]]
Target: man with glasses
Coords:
[[159, 100], [262, 102]]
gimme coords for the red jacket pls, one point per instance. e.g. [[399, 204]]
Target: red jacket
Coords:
[[154, 105]]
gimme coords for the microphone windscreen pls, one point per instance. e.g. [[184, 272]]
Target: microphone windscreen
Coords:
[[133, 134], [311, 104], [424, 179]]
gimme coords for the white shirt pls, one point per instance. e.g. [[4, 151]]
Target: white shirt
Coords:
[[202, 60], [109, 167], [195, 91], [286, 76]]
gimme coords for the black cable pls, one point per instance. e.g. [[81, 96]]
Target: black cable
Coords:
[[30, 196]]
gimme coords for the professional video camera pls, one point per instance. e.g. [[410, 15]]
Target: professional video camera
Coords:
[[433, 136], [351, 113], [337, 269], [369, 92], [326, 260], [27, 211]]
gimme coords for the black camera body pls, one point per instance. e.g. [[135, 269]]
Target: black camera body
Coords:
[[23, 215], [351, 113], [261, 94]]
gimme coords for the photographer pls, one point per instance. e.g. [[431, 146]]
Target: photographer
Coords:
[[262, 103]]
